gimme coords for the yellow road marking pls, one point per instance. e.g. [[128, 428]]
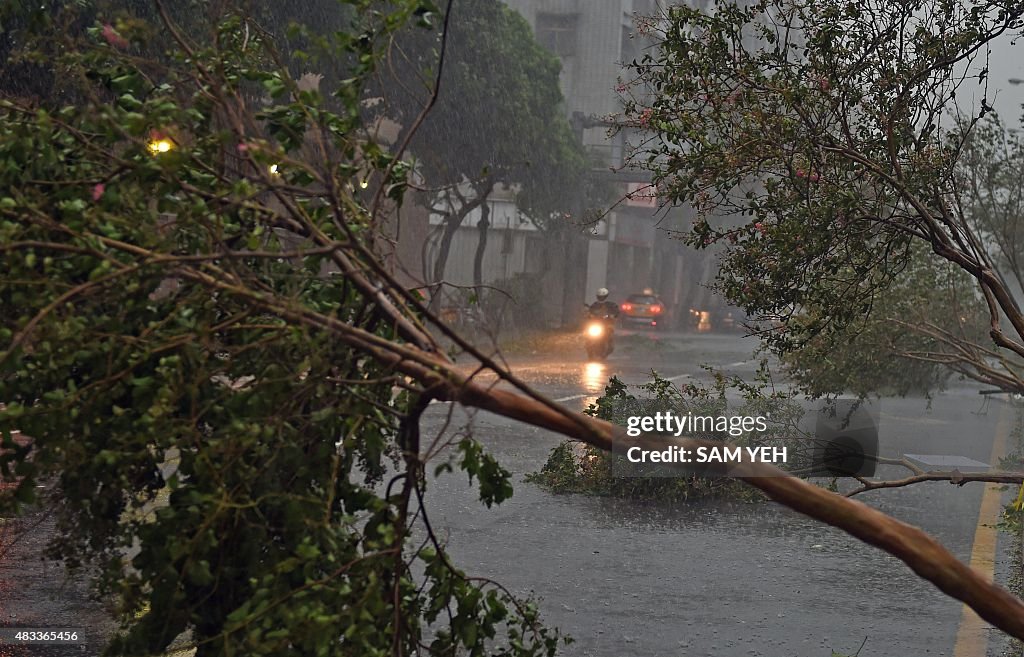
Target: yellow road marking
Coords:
[[972, 637]]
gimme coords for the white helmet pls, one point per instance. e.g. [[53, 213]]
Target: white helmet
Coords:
[[602, 294]]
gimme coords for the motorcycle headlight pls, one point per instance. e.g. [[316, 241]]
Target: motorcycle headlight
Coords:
[[595, 330]]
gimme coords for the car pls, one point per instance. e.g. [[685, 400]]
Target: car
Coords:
[[644, 309]]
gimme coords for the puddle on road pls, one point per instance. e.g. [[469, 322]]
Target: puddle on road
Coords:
[[646, 578]]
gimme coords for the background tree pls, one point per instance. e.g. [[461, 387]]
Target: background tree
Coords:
[[498, 120], [991, 175], [910, 340], [832, 130]]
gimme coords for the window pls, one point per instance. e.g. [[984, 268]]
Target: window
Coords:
[[557, 33]]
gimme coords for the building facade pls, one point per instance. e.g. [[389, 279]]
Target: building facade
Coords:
[[631, 248], [596, 40]]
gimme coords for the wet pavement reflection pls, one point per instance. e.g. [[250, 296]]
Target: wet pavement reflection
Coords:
[[648, 578], [627, 577]]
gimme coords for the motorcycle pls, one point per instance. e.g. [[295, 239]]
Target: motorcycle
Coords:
[[598, 332]]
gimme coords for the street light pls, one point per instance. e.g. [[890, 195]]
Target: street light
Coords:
[[161, 145]]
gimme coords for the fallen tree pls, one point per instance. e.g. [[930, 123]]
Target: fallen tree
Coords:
[[192, 277]]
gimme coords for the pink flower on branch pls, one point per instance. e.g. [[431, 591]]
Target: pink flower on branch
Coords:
[[97, 191], [112, 37], [812, 176]]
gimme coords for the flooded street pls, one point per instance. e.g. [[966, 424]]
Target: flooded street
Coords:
[[648, 578], [626, 577]]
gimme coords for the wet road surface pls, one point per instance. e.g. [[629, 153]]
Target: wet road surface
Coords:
[[651, 579], [644, 578], [36, 593]]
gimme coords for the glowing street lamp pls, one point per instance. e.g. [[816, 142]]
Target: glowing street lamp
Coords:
[[160, 145]]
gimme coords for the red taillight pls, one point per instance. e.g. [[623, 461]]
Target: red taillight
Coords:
[[655, 309], [627, 306]]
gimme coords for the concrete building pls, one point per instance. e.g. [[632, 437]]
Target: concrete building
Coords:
[[595, 41], [631, 248]]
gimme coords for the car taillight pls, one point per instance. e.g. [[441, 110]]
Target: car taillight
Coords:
[[655, 309], [627, 306]]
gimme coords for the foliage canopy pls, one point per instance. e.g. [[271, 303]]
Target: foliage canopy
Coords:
[[183, 247], [820, 142]]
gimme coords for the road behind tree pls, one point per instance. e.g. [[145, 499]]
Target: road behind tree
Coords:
[[627, 577]]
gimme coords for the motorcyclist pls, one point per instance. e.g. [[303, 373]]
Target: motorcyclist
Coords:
[[602, 308], [605, 312]]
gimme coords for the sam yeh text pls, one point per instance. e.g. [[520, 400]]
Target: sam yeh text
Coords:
[[724, 454]]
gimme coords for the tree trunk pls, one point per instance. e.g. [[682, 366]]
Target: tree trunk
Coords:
[[450, 227], [481, 246]]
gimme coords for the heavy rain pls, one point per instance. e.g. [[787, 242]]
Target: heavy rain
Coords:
[[333, 328]]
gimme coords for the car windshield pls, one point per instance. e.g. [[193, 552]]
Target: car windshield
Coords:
[[642, 298]]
